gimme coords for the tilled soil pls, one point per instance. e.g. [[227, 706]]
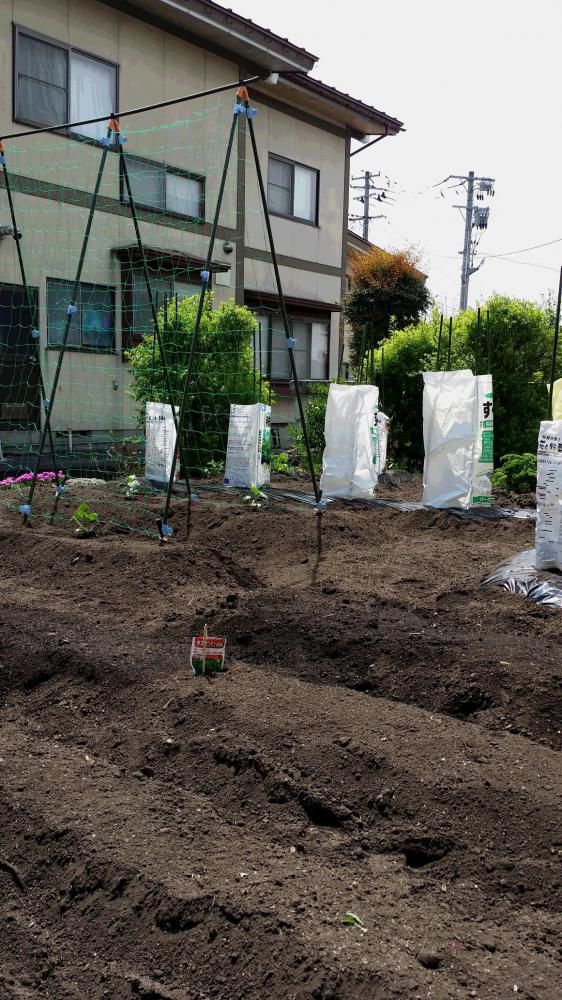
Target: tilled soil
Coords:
[[384, 743]]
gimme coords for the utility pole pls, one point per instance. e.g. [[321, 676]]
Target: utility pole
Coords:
[[465, 272], [475, 217], [370, 191], [366, 199]]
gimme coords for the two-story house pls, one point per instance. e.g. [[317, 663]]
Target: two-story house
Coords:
[[64, 61]]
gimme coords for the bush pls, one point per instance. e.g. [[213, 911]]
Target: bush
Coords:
[[223, 372], [521, 345], [517, 473]]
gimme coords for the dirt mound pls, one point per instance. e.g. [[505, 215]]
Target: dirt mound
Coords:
[[383, 744]]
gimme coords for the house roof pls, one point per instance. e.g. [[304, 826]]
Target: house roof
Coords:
[[262, 51]]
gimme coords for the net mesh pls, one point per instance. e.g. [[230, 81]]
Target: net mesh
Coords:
[[116, 358]]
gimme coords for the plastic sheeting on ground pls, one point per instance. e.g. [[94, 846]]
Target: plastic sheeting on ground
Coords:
[[520, 576]]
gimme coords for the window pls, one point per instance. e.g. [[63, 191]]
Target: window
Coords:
[[292, 190], [55, 83], [93, 325], [310, 351], [154, 185]]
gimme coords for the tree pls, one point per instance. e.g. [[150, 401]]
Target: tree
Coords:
[[521, 336], [389, 293], [223, 372]]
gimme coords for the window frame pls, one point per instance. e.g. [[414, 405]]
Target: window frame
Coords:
[[83, 349], [18, 30], [189, 175], [293, 164]]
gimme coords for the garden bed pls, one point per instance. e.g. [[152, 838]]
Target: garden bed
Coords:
[[385, 742]]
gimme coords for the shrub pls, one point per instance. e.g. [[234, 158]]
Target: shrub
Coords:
[[315, 415], [223, 372], [517, 473]]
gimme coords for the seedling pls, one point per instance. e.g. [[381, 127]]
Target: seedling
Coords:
[[280, 463], [352, 920], [255, 498], [133, 486], [86, 520]]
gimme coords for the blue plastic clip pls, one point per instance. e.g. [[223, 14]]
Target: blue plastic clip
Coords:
[[205, 275], [71, 310], [36, 334], [239, 109], [107, 141], [46, 403], [291, 341], [2, 159], [25, 509], [320, 507], [251, 112], [121, 139], [167, 529], [59, 490]]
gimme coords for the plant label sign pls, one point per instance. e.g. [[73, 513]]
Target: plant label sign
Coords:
[[160, 442], [248, 452], [207, 654]]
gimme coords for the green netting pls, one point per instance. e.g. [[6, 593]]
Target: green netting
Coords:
[[127, 325]]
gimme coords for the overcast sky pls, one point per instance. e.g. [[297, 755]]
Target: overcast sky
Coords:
[[478, 87]]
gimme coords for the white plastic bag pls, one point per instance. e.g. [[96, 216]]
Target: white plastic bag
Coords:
[[484, 444], [160, 442], [348, 463], [548, 534], [248, 452], [449, 409], [382, 423]]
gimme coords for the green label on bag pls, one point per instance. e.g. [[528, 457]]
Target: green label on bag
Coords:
[[482, 501], [487, 456]]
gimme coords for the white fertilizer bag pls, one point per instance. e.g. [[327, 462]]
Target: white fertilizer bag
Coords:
[[381, 442], [548, 535], [484, 445], [449, 412], [248, 452], [348, 463], [160, 442]]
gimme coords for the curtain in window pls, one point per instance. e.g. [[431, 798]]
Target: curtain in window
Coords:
[[147, 183], [320, 339], [59, 297], [301, 333], [280, 367], [92, 93], [305, 194], [97, 315], [183, 195], [279, 187], [42, 81]]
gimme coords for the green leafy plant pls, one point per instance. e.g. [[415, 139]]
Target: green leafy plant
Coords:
[[517, 473], [315, 416], [280, 463], [255, 498], [352, 920], [86, 520], [521, 338], [223, 372], [213, 469]]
